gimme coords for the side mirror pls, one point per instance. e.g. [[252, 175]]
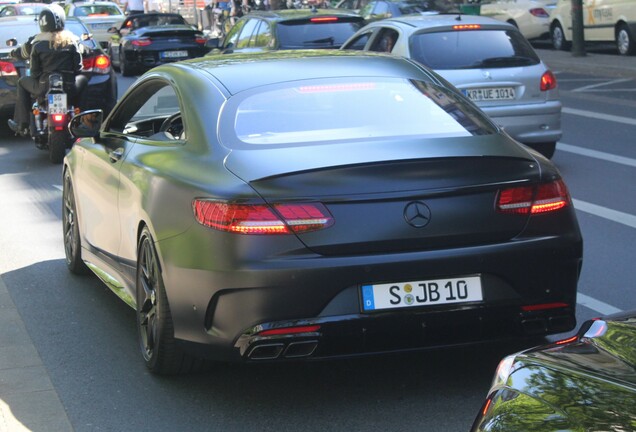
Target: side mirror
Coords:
[[213, 43], [12, 42], [86, 124]]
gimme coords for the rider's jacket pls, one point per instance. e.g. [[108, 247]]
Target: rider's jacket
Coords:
[[44, 59]]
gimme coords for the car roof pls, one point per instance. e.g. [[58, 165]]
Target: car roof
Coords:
[[236, 71], [444, 20], [292, 14], [96, 3]]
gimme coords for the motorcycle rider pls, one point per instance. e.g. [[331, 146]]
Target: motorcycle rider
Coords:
[[54, 49]]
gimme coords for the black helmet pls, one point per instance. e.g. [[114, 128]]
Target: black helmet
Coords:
[[52, 18]]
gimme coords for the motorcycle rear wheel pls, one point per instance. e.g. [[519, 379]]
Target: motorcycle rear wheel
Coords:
[[58, 141]]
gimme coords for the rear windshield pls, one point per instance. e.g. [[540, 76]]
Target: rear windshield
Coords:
[[320, 34], [97, 11], [471, 49], [314, 112]]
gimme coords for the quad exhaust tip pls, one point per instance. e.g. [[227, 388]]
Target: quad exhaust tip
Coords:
[[272, 351]]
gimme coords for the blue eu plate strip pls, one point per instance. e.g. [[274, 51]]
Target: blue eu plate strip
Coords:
[[368, 302]]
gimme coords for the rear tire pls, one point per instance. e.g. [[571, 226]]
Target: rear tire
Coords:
[[624, 41], [558, 38], [110, 54], [70, 227], [125, 69], [154, 321], [58, 142]]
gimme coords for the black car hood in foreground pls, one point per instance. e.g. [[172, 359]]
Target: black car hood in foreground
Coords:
[[384, 179], [584, 383]]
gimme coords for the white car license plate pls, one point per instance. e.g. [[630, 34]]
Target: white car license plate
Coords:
[[101, 26], [421, 293], [174, 54], [488, 94], [57, 104]]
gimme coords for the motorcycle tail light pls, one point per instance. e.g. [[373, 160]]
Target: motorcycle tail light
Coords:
[[262, 218], [58, 118], [7, 69], [548, 81], [542, 198]]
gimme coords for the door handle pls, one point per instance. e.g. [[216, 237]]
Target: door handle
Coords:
[[116, 154]]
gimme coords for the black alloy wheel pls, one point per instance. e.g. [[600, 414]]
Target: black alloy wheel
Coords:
[[154, 320], [70, 227]]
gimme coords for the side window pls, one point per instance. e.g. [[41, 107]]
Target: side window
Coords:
[[152, 112], [246, 34], [233, 35], [384, 41], [359, 43], [262, 36]]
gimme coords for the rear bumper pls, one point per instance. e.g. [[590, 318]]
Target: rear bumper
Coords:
[[147, 59], [218, 312], [538, 123]]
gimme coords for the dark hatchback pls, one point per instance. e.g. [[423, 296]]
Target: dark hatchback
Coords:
[[290, 29], [147, 40], [316, 203], [101, 92], [583, 383]]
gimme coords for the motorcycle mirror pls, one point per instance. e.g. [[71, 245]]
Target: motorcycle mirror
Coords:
[[112, 30], [12, 42], [86, 124], [86, 36]]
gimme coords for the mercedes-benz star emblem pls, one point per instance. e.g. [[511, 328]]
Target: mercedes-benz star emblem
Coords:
[[417, 214]]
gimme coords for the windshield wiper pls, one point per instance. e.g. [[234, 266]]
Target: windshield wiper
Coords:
[[329, 40], [505, 61]]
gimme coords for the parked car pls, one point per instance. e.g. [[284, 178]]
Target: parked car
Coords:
[[488, 60], [147, 40], [98, 16], [583, 383], [289, 29], [531, 17], [10, 9], [603, 21], [315, 203], [101, 92]]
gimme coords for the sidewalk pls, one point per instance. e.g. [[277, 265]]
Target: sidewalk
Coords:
[[607, 65]]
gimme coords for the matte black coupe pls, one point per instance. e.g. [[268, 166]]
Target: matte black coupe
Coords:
[[311, 204]]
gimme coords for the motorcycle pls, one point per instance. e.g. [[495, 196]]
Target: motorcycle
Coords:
[[49, 120], [50, 116]]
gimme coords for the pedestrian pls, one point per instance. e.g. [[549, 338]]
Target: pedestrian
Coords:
[[132, 7]]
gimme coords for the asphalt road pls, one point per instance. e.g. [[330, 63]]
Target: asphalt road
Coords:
[[68, 354]]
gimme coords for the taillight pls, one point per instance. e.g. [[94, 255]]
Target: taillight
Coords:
[[543, 306], [7, 69], [543, 198], [142, 42], [539, 12], [98, 64], [548, 81], [262, 219], [200, 40]]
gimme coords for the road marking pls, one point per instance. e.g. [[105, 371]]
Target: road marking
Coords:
[[597, 154], [596, 305], [605, 83], [609, 214], [601, 116]]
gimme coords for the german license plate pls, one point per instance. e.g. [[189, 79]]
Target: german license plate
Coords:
[[421, 293], [174, 54], [57, 104], [101, 26], [490, 94]]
